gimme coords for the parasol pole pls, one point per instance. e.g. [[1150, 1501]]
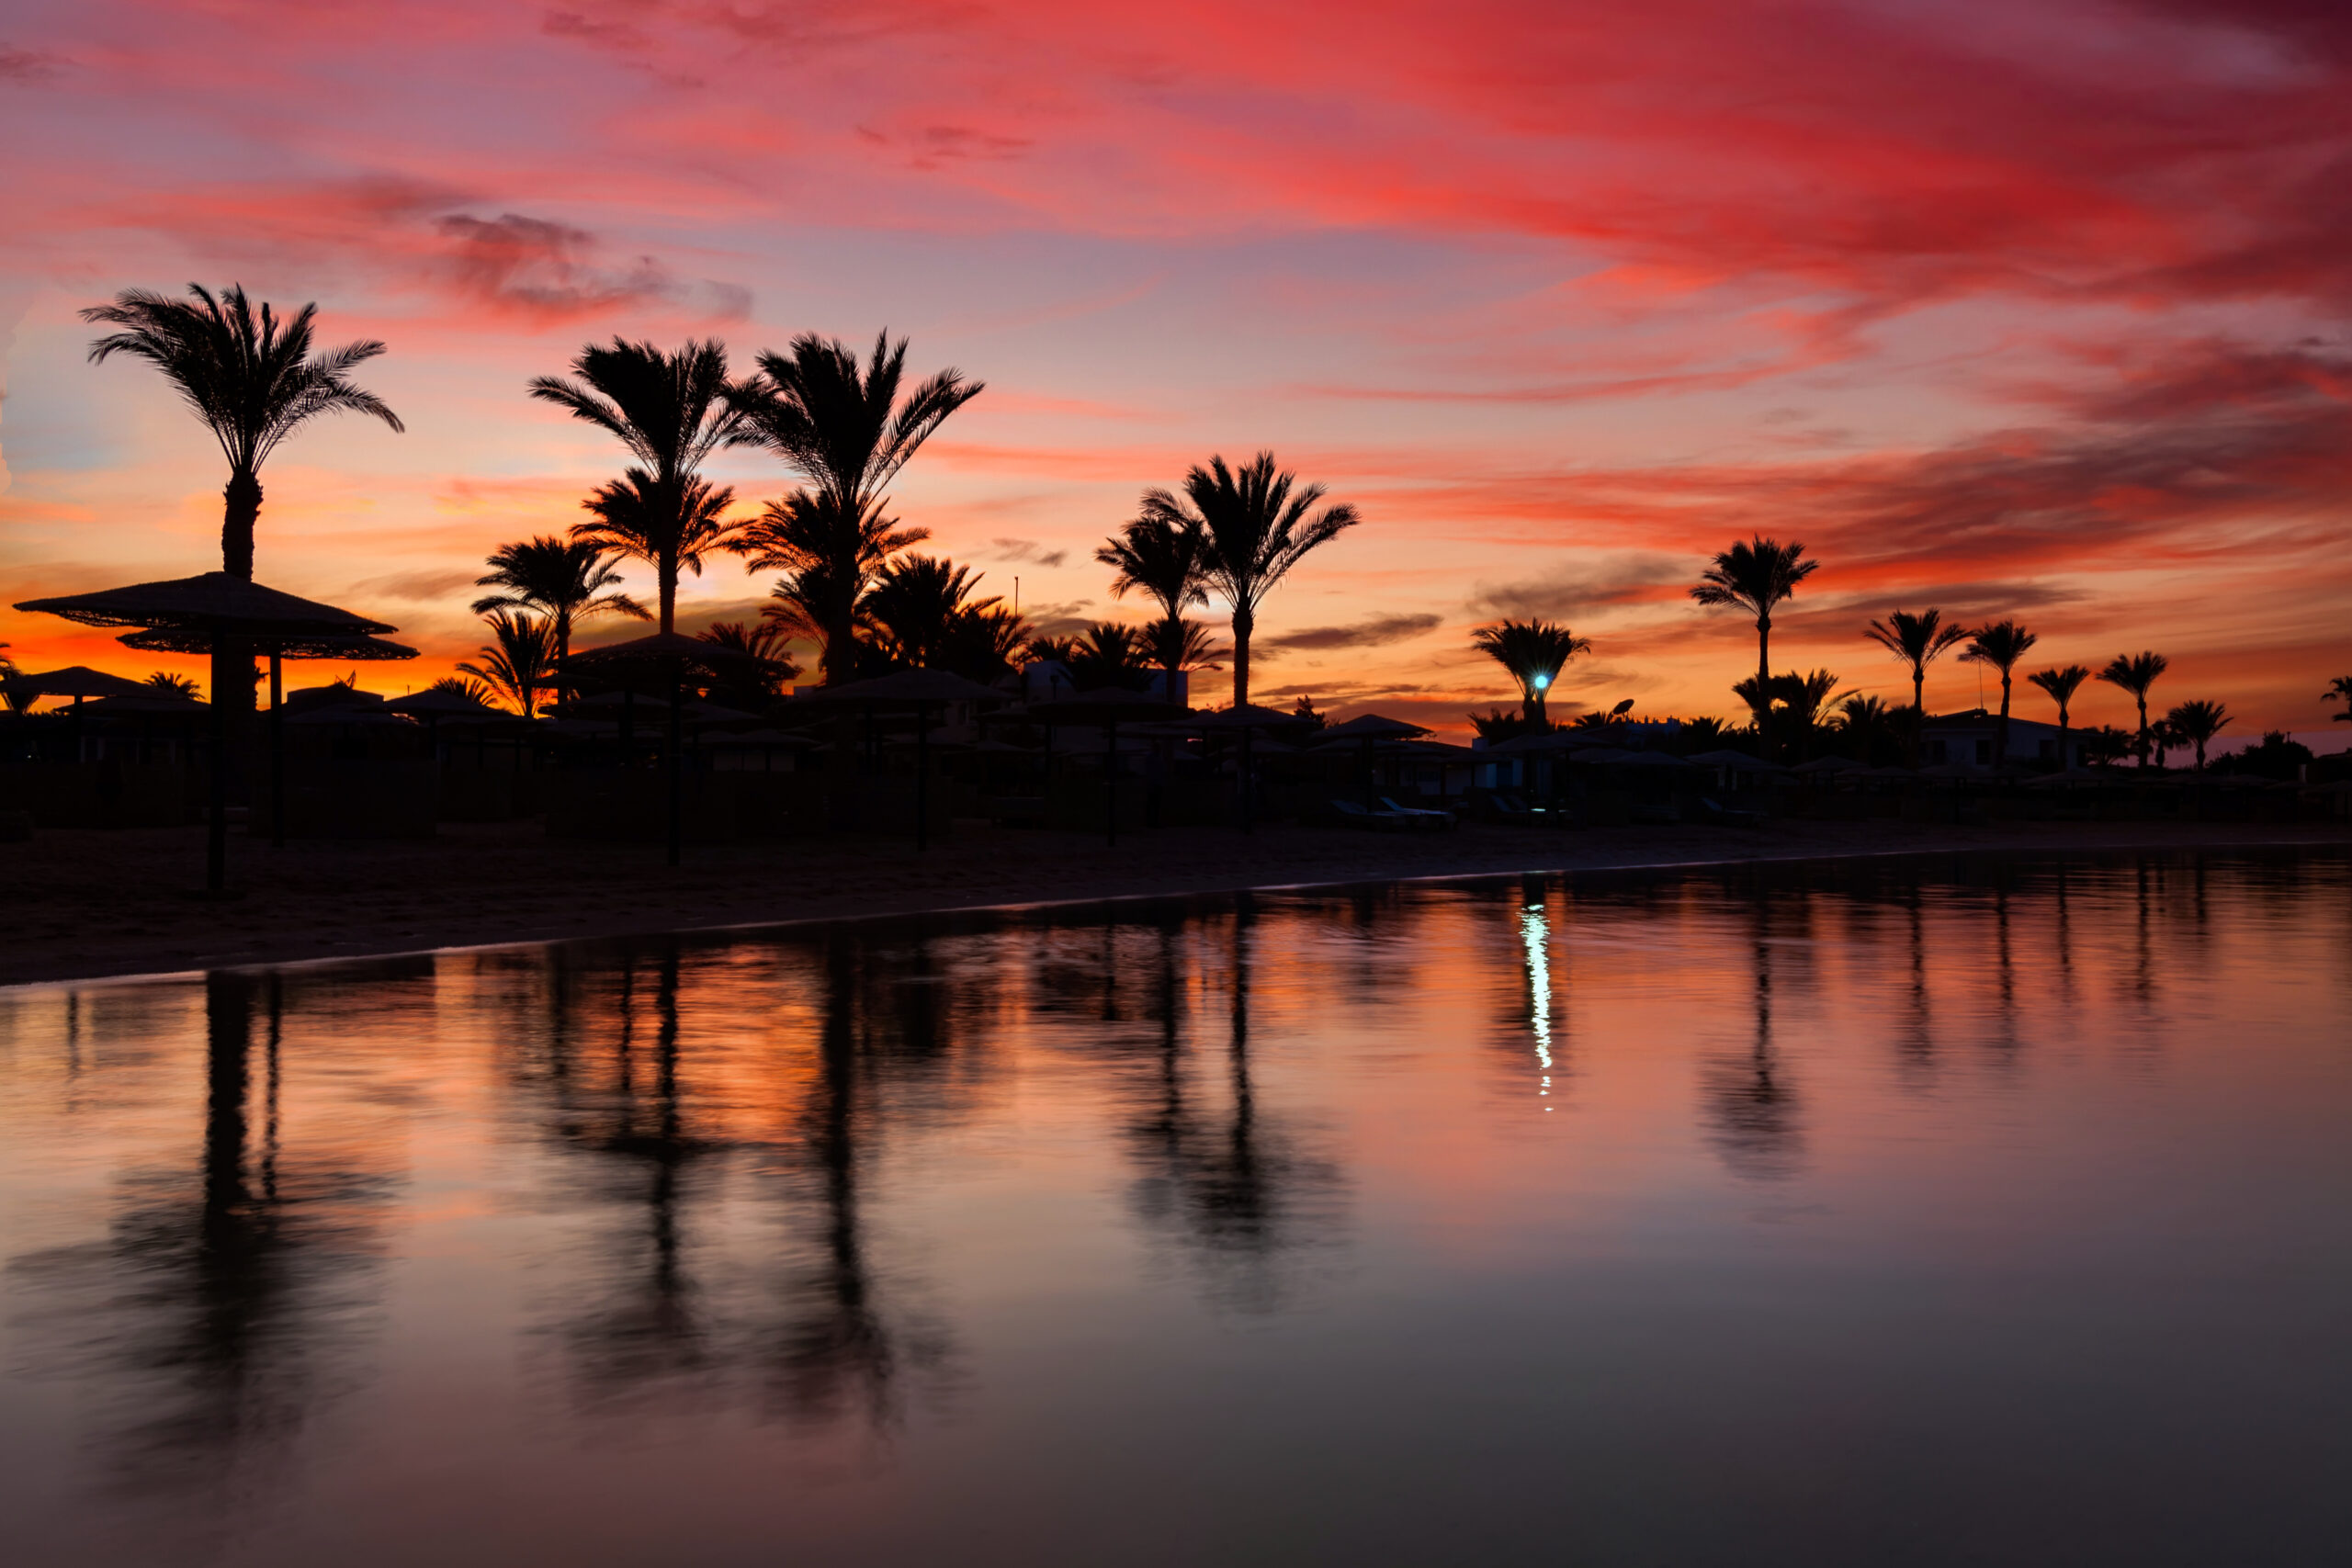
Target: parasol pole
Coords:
[[922, 776], [1110, 777], [674, 758], [216, 829], [1248, 792], [276, 752]]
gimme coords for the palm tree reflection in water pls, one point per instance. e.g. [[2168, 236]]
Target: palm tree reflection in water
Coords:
[[1752, 1105], [230, 1302], [1245, 1198]]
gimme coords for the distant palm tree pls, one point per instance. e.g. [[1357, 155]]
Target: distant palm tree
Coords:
[[459, 686], [1109, 654], [172, 685], [1917, 641], [1756, 577], [830, 564], [669, 529], [566, 579], [1255, 524], [1163, 560], [1867, 726], [18, 702], [916, 601], [767, 663], [2062, 684], [254, 381], [2135, 674], [847, 431], [2000, 644], [1534, 652], [522, 657], [982, 642], [1803, 699], [2197, 723], [2340, 690], [1181, 643], [2164, 735]]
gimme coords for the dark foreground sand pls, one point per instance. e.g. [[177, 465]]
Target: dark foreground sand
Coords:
[[79, 904]]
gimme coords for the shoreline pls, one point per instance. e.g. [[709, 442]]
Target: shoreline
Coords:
[[89, 905]]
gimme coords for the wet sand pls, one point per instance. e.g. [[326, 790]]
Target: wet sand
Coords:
[[80, 904]]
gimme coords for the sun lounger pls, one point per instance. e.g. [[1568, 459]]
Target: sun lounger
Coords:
[[1355, 814], [1421, 817]]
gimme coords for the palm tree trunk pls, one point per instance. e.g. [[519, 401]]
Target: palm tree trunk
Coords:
[[1918, 711], [1764, 688], [243, 510], [2142, 697], [1243, 620], [1536, 719], [668, 578], [2001, 739]]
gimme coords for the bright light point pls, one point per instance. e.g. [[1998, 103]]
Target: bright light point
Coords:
[[1541, 682]]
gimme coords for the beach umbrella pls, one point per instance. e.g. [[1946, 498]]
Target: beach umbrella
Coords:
[[1244, 719], [916, 690], [664, 653], [214, 611], [75, 681], [1368, 728], [1828, 766]]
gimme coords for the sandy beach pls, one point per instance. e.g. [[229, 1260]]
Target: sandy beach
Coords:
[[86, 904]]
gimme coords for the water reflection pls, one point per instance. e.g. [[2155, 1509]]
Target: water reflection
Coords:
[[1173, 1224]]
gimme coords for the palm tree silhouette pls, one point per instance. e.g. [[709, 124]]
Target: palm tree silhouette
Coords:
[[1915, 640], [2197, 723], [1756, 577], [1108, 655], [2062, 684], [566, 579], [1805, 698], [1183, 643], [669, 528], [1863, 722], [2135, 674], [1254, 525], [831, 563], [1534, 652], [519, 661], [1163, 560], [2001, 644], [2340, 690], [846, 430], [672, 410], [917, 602], [254, 381], [170, 685], [760, 681]]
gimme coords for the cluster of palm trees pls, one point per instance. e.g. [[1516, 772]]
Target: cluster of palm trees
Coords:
[[849, 579], [1758, 575]]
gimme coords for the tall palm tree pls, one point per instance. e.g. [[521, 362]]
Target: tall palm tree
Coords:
[[2000, 644], [565, 580], [1254, 525], [916, 600], [254, 381], [1917, 641], [2060, 684], [981, 643], [522, 657], [2135, 674], [1163, 560], [1534, 652], [847, 431], [2197, 723], [1756, 577], [671, 529], [2340, 690]]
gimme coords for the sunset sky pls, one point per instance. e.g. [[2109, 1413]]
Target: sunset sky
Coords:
[[2030, 306]]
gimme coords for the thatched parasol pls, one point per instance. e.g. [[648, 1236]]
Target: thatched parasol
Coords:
[[214, 611], [77, 680], [901, 691], [667, 654], [1107, 705], [1369, 728]]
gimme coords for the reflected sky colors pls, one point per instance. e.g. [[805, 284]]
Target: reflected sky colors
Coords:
[[1970, 1212]]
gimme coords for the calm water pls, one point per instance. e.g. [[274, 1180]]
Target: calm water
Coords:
[[1980, 1214]]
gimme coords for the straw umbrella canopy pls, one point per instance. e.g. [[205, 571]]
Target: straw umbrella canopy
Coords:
[[916, 691], [77, 681], [1370, 729], [213, 608], [1247, 720]]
